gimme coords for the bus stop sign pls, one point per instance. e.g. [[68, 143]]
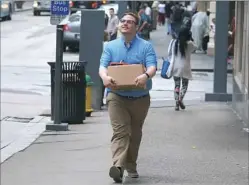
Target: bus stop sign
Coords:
[[59, 11]]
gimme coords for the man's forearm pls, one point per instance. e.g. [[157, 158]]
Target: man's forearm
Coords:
[[102, 72], [151, 71], [142, 27]]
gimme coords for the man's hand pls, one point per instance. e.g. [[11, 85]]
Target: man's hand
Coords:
[[141, 80], [109, 82]]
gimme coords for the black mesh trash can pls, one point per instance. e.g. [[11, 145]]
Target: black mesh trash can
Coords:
[[73, 91]]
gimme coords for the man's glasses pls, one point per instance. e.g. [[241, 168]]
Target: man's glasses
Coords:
[[127, 21]]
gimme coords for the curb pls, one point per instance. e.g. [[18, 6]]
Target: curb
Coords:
[[22, 10], [27, 136], [229, 71]]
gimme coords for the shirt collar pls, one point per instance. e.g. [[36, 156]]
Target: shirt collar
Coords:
[[131, 42]]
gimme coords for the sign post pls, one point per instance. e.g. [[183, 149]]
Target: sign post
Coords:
[[59, 11]]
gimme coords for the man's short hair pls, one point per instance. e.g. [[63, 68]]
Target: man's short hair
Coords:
[[133, 15], [111, 9]]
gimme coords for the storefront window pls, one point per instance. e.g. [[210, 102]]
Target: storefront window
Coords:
[[241, 34]]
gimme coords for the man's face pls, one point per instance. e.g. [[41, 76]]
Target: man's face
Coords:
[[128, 24], [111, 12]]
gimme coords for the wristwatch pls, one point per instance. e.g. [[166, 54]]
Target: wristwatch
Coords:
[[148, 76]]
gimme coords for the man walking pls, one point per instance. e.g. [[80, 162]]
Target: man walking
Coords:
[[112, 26], [128, 108]]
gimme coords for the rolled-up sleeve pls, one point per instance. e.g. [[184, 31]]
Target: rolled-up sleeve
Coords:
[[105, 57], [150, 56]]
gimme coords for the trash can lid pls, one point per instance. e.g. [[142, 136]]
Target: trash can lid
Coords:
[[88, 80]]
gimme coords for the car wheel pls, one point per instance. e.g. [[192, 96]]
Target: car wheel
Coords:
[[64, 48], [36, 13], [8, 17]]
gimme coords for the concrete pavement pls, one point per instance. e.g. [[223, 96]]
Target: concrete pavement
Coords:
[[25, 80], [202, 145]]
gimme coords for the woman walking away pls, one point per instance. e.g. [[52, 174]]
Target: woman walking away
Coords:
[[161, 14], [181, 71]]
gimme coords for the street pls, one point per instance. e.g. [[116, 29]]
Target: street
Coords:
[[27, 44]]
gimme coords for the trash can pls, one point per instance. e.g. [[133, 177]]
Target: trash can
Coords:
[[89, 84], [73, 91]]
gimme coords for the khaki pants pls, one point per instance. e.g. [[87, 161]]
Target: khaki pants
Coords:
[[127, 117]]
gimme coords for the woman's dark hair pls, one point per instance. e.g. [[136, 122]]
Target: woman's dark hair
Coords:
[[183, 37]]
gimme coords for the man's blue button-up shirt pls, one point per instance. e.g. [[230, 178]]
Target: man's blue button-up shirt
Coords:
[[137, 52]]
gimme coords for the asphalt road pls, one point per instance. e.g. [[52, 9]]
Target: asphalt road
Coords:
[[28, 43]]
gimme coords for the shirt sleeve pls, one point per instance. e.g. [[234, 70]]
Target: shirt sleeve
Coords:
[[105, 58], [150, 57], [116, 22]]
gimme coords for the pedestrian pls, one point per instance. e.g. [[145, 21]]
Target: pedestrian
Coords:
[[168, 13], [147, 10], [176, 19], [199, 28], [161, 14], [181, 71], [148, 13], [144, 24], [127, 108], [205, 39], [112, 26]]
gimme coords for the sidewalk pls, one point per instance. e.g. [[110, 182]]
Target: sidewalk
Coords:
[[202, 83], [20, 125], [203, 145], [199, 62]]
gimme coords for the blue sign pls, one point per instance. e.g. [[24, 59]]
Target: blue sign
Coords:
[[60, 8]]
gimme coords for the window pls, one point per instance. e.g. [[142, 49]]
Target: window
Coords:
[[74, 18], [241, 34]]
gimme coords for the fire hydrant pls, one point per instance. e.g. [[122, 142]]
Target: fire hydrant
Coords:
[[89, 84]]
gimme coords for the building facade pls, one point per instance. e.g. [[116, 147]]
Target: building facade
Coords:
[[241, 60]]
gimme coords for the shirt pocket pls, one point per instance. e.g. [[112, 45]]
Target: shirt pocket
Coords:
[[135, 58]]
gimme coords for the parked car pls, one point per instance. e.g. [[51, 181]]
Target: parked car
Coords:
[[41, 6], [71, 38], [6, 10], [45, 6]]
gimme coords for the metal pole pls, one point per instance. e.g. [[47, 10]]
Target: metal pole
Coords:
[[58, 73], [122, 8], [91, 47], [220, 63], [221, 45]]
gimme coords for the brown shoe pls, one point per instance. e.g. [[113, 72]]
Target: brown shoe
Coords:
[[133, 175], [116, 173]]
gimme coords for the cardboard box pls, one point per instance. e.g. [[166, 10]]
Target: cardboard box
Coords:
[[125, 75]]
